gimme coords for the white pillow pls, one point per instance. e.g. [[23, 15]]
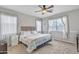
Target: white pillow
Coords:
[[25, 33], [34, 32]]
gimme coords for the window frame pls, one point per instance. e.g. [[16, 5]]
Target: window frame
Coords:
[[56, 25]]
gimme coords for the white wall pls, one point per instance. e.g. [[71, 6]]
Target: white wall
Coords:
[[26, 20], [73, 24], [74, 20]]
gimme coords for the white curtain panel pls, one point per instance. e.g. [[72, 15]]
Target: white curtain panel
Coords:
[[8, 24], [38, 26]]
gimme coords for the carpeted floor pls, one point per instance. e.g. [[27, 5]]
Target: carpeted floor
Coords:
[[55, 47]]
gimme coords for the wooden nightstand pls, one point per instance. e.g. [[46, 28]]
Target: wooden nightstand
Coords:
[[3, 47]]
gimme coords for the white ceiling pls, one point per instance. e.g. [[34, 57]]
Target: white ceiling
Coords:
[[30, 9]]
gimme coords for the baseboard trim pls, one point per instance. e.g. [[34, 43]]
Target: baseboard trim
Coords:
[[65, 41]]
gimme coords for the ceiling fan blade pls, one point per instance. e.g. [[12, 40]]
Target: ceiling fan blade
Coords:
[[50, 6], [49, 11], [44, 6], [40, 6], [38, 11]]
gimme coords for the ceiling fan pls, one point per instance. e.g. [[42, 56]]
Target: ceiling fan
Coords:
[[45, 9]]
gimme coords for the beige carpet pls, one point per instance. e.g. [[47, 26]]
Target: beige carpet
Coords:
[[55, 47]]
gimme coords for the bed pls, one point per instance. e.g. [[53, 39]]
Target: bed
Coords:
[[34, 40]]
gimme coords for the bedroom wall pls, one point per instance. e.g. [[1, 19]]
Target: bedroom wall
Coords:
[[74, 21], [73, 17], [26, 20], [74, 25]]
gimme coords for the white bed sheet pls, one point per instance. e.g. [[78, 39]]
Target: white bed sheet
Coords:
[[34, 40]]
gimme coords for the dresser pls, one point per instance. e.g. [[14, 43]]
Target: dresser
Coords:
[[3, 47]]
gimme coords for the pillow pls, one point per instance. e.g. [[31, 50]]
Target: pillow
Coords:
[[25, 33], [34, 32]]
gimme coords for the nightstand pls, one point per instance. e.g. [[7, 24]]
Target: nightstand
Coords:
[[3, 47]]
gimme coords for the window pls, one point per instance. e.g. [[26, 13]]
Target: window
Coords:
[[56, 24], [38, 25], [8, 24]]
